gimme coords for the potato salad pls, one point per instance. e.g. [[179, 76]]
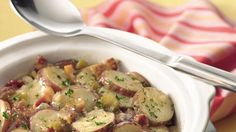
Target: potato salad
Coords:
[[74, 96]]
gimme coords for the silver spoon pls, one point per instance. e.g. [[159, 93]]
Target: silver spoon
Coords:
[[61, 18]]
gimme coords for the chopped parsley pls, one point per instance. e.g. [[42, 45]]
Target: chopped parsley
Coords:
[[16, 97], [66, 83], [119, 79], [152, 114], [25, 126], [99, 123], [99, 104], [69, 92], [36, 95], [118, 97], [6, 115], [92, 118]]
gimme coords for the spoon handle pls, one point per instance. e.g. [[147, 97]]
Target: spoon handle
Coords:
[[151, 50], [206, 73]]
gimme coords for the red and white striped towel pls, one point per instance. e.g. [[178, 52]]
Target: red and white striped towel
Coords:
[[196, 29]]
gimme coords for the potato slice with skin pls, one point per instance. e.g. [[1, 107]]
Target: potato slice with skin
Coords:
[[154, 104], [120, 83], [45, 120], [127, 127], [159, 129], [53, 77], [94, 121], [139, 77], [87, 79], [5, 113], [35, 93], [72, 96]]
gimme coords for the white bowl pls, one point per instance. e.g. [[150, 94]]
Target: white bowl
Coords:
[[191, 97]]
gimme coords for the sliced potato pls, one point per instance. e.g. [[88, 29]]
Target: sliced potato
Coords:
[[94, 121], [54, 77], [34, 94], [75, 97], [5, 115], [45, 120], [87, 79], [139, 77], [159, 129], [154, 104], [20, 130], [109, 101], [124, 101], [127, 127], [120, 82]]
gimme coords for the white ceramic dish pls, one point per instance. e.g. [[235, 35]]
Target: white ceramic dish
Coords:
[[191, 97]]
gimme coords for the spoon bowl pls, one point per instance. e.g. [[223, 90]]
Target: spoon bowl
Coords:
[[57, 17]]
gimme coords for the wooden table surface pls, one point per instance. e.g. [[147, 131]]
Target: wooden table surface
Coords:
[[11, 25]]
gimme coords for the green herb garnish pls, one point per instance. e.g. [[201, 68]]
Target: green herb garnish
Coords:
[[69, 92], [92, 118], [99, 123], [66, 83], [152, 114], [6, 115], [25, 126], [99, 104], [36, 95], [119, 79], [16, 97], [118, 97]]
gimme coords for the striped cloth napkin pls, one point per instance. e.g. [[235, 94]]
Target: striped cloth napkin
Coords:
[[196, 29]]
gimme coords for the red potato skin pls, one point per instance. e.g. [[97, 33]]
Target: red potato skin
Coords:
[[40, 62], [116, 88], [141, 119], [140, 77], [41, 100], [49, 83]]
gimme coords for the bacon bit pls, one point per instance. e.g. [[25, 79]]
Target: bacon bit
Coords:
[[40, 63], [141, 119], [69, 71], [51, 130], [14, 83], [111, 64], [63, 63]]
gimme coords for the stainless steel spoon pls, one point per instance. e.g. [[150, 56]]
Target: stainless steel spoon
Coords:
[[61, 18]]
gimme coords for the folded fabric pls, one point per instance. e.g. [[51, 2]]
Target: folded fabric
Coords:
[[196, 29]]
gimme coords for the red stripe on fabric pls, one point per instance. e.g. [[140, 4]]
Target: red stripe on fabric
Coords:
[[217, 101], [227, 63], [114, 6], [162, 34], [173, 36], [209, 29], [203, 59]]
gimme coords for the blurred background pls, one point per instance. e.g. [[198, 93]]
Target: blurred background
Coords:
[[11, 25], [10, 22]]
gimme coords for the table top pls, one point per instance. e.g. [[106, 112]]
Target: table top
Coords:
[[12, 25]]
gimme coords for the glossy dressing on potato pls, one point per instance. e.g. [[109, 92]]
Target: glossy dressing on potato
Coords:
[[73, 96]]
